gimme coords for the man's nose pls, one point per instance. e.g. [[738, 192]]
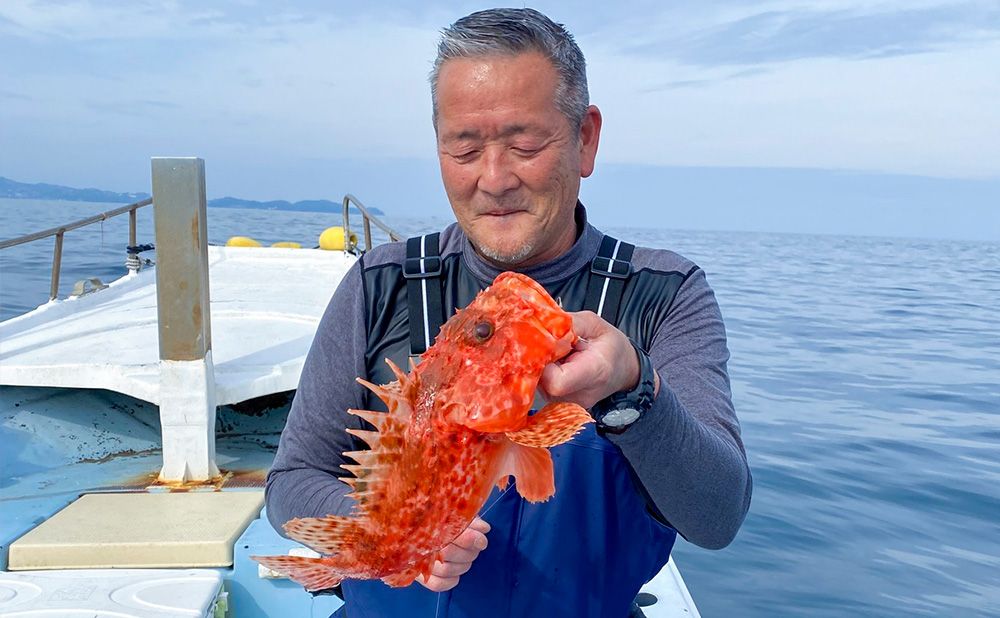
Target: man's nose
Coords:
[[497, 174]]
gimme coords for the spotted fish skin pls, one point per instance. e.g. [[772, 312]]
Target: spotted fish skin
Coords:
[[456, 425]]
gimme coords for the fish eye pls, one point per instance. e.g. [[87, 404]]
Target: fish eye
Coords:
[[483, 331]]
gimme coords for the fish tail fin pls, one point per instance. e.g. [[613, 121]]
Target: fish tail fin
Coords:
[[552, 425], [401, 579], [408, 576], [532, 469], [327, 535], [312, 573]]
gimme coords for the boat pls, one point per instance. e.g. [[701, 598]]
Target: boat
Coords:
[[139, 419]]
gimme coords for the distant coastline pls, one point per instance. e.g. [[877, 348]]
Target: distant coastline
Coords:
[[13, 189]]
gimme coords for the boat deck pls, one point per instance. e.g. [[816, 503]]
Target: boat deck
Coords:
[[108, 339]]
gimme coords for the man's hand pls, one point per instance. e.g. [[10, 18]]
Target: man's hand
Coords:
[[602, 362], [458, 557]]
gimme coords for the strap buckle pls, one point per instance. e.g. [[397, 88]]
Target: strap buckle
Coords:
[[422, 267], [609, 267]]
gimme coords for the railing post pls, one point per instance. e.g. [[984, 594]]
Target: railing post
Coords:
[[347, 223], [368, 234], [132, 225], [132, 261], [187, 377], [56, 266]]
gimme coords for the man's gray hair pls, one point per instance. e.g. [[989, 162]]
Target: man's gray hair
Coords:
[[508, 32]]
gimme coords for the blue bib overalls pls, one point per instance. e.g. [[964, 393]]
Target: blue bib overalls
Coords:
[[584, 552]]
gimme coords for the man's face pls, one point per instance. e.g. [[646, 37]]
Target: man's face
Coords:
[[510, 160]]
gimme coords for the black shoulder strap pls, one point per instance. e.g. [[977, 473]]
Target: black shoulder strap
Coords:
[[608, 272], [422, 270]]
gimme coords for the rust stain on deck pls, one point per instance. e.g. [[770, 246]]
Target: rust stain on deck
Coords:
[[228, 479]]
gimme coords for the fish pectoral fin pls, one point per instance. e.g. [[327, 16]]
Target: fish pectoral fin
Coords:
[[311, 573], [552, 425], [532, 469], [409, 575]]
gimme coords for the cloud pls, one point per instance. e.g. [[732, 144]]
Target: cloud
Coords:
[[87, 20], [930, 114], [131, 107], [252, 83], [6, 94], [701, 83], [275, 85]]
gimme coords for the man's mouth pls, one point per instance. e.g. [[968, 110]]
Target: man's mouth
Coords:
[[502, 213]]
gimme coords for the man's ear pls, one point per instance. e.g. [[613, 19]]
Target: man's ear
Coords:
[[590, 135]]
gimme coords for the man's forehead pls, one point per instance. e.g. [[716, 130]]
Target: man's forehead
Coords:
[[496, 97], [483, 62], [471, 73]]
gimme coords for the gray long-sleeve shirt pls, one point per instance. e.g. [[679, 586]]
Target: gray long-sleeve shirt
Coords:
[[686, 451]]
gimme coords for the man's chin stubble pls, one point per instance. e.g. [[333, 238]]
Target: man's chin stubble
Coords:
[[506, 259]]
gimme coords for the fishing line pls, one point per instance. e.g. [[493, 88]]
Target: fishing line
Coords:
[[494, 503], [437, 608]]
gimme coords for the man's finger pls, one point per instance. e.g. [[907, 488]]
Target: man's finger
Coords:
[[454, 553], [447, 570], [480, 524], [471, 539], [587, 324], [437, 584]]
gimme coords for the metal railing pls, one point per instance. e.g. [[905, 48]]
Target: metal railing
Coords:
[[60, 231], [367, 219]]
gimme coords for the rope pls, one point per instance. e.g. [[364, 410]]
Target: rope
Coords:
[[132, 261]]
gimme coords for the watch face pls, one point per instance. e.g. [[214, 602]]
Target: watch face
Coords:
[[620, 418]]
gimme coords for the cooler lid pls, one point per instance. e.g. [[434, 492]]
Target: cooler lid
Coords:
[[111, 593], [139, 530]]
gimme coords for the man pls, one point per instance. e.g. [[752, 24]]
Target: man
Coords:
[[515, 135]]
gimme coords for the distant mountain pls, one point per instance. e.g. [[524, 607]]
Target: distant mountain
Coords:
[[304, 205], [41, 191]]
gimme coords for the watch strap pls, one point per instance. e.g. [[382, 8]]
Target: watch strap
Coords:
[[639, 398]]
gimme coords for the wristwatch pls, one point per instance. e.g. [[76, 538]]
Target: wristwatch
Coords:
[[618, 411]]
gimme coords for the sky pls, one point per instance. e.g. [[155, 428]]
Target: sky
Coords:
[[817, 116]]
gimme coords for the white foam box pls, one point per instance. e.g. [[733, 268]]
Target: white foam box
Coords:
[[112, 593]]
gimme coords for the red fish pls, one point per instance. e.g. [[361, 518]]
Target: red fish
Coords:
[[457, 425]]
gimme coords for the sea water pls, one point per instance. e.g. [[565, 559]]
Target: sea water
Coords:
[[865, 371]]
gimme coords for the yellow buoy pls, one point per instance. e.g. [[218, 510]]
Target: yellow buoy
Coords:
[[242, 241], [286, 244], [332, 239]]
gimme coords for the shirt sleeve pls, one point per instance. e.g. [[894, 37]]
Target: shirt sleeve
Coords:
[[303, 480], [687, 451]]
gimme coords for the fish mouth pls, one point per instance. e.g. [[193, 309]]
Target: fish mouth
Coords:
[[561, 346]]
